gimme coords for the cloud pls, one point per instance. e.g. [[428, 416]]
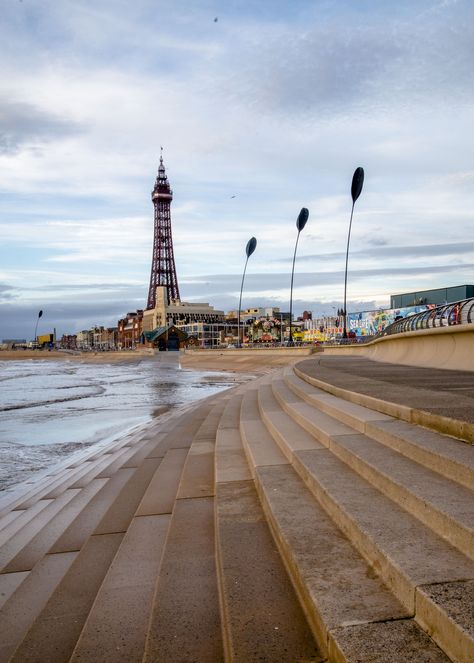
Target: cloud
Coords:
[[67, 317], [380, 251], [7, 292], [24, 124], [276, 104]]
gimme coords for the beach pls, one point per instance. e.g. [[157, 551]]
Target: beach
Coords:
[[54, 407]]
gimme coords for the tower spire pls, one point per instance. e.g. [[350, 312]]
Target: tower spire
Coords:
[[163, 268]]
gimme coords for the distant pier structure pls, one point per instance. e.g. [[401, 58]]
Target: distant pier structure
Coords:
[[163, 268]]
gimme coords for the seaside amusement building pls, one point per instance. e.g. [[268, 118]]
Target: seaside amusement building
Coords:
[[164, 306]]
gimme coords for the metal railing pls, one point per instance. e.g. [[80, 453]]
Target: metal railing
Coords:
[[445, 315]]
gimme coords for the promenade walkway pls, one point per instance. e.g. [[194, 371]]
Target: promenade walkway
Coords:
[[302, 516]]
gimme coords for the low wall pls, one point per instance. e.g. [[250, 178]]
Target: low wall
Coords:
[[446, 347]]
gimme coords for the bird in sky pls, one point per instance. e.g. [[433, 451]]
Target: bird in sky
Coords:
[[215, 20], [233, 196]]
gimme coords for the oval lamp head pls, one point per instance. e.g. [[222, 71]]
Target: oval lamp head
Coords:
[[251, 246], [302, 219], [40, 314], [357, 183]]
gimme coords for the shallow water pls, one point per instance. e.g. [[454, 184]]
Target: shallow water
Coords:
[[51, 409]]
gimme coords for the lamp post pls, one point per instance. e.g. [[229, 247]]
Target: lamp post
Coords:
[[249, 249], [356, 189], [300, 224], [36, 326]]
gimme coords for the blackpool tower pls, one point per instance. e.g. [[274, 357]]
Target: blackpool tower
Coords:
[[163, 269]]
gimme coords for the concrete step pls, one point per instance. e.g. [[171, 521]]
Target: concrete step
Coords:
[[185, 619], [258, 444], [338, 589], [54, 634], [318, 424], [313, 548], [406, 553], [405, 401], [230, 461], [38, 546], [38, 486], [33, 591], [289, 436], [117, 625], [16, 543], [387, 535], [124, 600], [446, 455], [440, 503], [261, 616], [353, 415]]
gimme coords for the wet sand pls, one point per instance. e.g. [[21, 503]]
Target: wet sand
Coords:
[[89, 357], [241, 361], [238, 361]]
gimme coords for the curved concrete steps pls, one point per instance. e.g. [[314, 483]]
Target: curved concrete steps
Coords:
[[413, 559], [274, 522], [75, 576]]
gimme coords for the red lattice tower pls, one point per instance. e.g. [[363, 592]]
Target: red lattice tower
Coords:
[[163, 269]]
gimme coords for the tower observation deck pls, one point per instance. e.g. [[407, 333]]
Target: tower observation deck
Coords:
[[163, 268]]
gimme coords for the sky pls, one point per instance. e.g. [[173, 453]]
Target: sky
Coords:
[[268, 109]]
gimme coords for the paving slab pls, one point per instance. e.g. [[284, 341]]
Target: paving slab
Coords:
[[116, 627], [33, 551], [231, 463], [319, 424], [9, 518], [19, 613], [148, 449], [83, 526], [231, 412], [121, 512], [161, 492], [260, 447], [263, 618], [352, 414], [289, 435], [209, 426], [9, 583], [404, 552], [12, 547], [334, 583], [197, 479], [185, 621], [450, 457], [24, 517], [31, 497], [395, 641], [121, 460], [446, 612], [105, 468], [440, 503], [54, 634]]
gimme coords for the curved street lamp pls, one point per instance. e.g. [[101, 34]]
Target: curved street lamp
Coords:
[[36, 326], [356, 189], [300, 224], [249, 249]]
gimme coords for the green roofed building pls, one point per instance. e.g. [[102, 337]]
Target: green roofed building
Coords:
[[435, 296], [165, 338]]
